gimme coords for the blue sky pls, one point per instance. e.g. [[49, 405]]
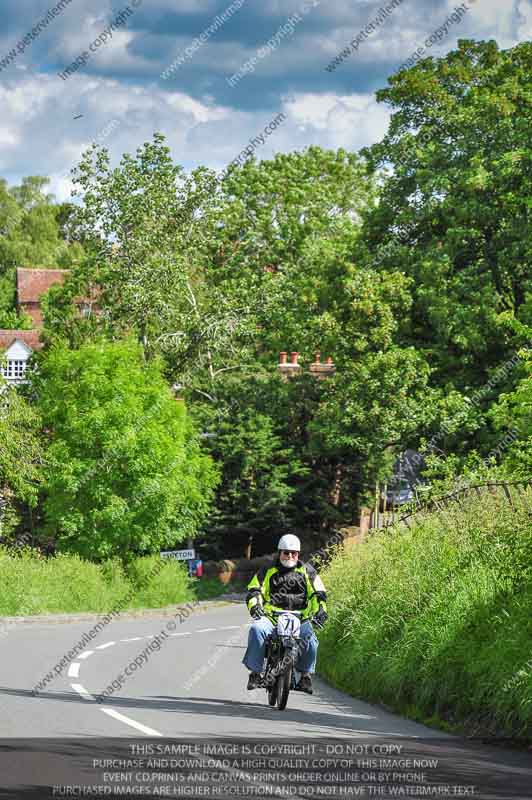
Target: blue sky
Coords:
[[120, 91]]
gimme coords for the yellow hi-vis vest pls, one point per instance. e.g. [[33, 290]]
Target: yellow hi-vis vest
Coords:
[[277, 588]]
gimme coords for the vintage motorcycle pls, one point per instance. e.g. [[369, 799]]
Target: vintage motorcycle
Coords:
[[282, 650]]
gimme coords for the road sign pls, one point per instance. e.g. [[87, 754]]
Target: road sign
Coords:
[[180, 555]]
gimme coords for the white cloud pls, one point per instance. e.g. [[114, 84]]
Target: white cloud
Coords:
[[24, 100], [401, 34], [39, 124], [8, 137], [190, 6], [39, 135], [349, 121], [39, 128], [524, 20]]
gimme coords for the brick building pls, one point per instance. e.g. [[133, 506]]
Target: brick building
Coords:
[[17, 346], [31, 285]]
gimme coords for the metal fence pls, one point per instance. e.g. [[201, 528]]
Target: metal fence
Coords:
[[511, 491]]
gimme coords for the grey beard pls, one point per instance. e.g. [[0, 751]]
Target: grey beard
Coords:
[[288, 565]]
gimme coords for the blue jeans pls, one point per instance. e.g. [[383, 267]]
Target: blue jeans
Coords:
[[255, 653]]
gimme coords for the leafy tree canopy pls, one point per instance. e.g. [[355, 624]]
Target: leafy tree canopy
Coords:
[[512, 416], [125, 473], [32, 234], [454, 211], [20, 446]]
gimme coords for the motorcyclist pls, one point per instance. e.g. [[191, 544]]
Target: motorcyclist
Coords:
[[288, 584]]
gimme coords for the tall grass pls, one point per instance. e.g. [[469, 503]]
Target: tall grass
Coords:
[[32, 584], [436, 621]]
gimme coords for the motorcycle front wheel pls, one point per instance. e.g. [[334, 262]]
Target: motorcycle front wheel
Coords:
[[284, 681], [272, 692]]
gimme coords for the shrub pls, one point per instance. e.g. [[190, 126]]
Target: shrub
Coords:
[[158, 585]]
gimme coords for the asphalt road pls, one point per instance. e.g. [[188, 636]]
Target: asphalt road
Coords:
[[194, 686]]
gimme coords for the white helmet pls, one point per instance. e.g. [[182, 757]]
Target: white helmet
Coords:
[[289, 542]]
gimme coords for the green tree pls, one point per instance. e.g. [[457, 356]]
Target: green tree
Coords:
[[21, 452], [292, 228], [512, 416], [259, 472], [288, 240], [125, 473], [217, 274], [454, 211], [32, 234], [284, 243], [145, 225], [369, 415], [20, 447]]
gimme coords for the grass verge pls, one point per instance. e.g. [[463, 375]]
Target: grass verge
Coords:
[[32, 584], [436, 621], [210, 588]]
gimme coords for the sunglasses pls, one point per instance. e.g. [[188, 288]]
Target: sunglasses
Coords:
[[290, 552]]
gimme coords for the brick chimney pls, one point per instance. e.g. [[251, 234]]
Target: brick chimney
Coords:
[[288, 370], [320, 370]]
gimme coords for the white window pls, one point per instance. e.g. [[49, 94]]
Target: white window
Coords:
[[14, 360], [14, 369]]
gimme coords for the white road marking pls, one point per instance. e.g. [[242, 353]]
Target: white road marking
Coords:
[[73, 672], [152, 636], [384, 733], [83, 692], [131, 722]]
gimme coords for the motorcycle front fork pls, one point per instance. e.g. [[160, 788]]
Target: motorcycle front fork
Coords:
[[274, 659]]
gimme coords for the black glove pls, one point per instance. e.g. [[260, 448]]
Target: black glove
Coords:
[[257, 612], [321, 616]]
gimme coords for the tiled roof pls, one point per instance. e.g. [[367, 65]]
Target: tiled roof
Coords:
[[32, 283], [31, 338]]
